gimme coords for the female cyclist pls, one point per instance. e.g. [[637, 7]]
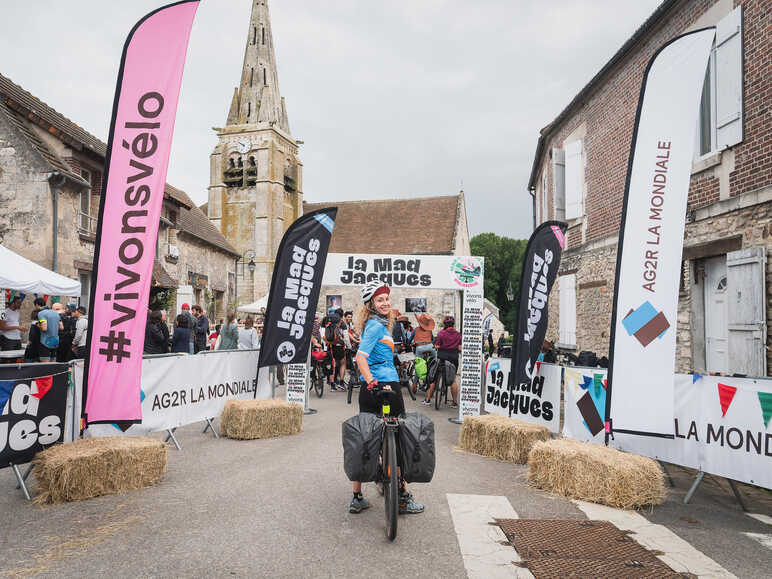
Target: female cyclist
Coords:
[[448, 343], [375, 359]]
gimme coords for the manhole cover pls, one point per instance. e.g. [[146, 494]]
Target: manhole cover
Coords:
[[582, 549]]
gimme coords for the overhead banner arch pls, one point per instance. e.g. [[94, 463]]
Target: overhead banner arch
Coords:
[[425, 272]]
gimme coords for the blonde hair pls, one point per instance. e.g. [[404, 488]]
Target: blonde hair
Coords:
[[364, 313]]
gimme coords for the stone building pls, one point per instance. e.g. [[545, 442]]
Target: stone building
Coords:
[[256, 185], [419, 226], [579, 172], [50, 185]]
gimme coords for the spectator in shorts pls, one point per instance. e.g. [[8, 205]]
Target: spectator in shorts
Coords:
[[50, 323], [10, 327]]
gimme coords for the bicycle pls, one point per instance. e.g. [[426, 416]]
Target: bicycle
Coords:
[[388, 468], [353, 377], [441, 387], [406, 371], [317, 375]]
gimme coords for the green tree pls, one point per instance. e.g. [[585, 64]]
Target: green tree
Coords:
[[503, 265]]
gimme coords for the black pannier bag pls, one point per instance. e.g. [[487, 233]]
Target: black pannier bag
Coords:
[[361, 444], [416, 448], [431, 370], [587, 359]]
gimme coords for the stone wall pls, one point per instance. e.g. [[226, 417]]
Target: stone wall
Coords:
[[595, 272]]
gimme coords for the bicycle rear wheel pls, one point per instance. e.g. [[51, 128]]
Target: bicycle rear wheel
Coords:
[[350, 389], [438, 387], [390, 484]]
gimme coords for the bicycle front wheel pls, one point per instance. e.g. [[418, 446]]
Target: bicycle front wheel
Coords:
[[318, 382], [390, 484]]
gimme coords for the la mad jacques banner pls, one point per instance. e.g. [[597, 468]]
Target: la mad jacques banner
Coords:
[[33, 403], [295, 287], [138, 151]]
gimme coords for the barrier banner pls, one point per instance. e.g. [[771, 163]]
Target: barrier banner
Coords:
[[643, 319], [180, 390], [540, 269], [295, 287], [33, 402], [584, 403], [137, 160], [537, 402], [721, 424]]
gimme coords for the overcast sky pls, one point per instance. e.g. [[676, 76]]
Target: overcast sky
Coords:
[[392, 99]]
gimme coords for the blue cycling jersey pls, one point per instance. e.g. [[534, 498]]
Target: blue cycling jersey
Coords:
[[377, 347]]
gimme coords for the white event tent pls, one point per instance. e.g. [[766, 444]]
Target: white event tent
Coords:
[[254, 307], [20, 274]]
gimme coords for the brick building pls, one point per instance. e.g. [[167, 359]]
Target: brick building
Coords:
[[50, 183], [579, 170]]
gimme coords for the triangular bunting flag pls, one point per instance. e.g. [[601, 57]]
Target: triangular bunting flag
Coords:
[[6, 387], [44, 385], [696, 377], [765, 399], [725, 396], [587, 382]]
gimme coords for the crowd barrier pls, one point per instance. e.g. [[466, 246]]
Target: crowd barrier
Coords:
[[42, 403], [721, 424]]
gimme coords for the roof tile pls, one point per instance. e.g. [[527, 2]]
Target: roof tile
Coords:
[[418, 226]]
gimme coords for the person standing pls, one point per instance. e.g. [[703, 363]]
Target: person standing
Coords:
[[448, 344], [229, 339], [248, 338], [81, 332], [10, 327], [201, 329], [191, 324], [375, 360], [156, 341], [50, 323], [181, 337]]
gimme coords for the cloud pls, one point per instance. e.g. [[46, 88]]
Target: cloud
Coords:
[[391, 99]]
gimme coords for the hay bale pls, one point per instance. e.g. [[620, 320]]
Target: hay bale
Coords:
[[501, 437], [91, 467], [260, 418], [598, 474]]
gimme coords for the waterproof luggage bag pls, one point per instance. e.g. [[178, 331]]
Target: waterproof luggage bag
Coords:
[[361, 443], [416, 447], [420, 368], [431, 370]]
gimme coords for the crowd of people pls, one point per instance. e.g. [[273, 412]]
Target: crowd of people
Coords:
[[192, 332], [58, 333]]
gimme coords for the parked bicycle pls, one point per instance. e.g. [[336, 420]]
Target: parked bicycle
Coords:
[[354, 377], [406, 371], [317, 374]]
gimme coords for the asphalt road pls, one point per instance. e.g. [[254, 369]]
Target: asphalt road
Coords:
[[278, 508]]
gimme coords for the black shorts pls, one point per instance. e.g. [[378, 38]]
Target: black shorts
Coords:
[[369, 402], [45, 352], [338, 352]]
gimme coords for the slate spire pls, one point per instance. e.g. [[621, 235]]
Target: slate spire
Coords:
[[259, 99]]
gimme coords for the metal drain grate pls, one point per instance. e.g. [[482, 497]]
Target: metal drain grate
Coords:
[[557, 549]]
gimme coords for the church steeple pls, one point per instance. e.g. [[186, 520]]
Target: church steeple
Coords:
[[258, 100]]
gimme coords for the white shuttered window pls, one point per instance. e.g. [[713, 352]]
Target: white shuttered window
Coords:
[[559, 183], [574, 179], [721, 109], [567, 309]]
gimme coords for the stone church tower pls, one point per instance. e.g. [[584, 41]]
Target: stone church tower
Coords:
[[255, 189]]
